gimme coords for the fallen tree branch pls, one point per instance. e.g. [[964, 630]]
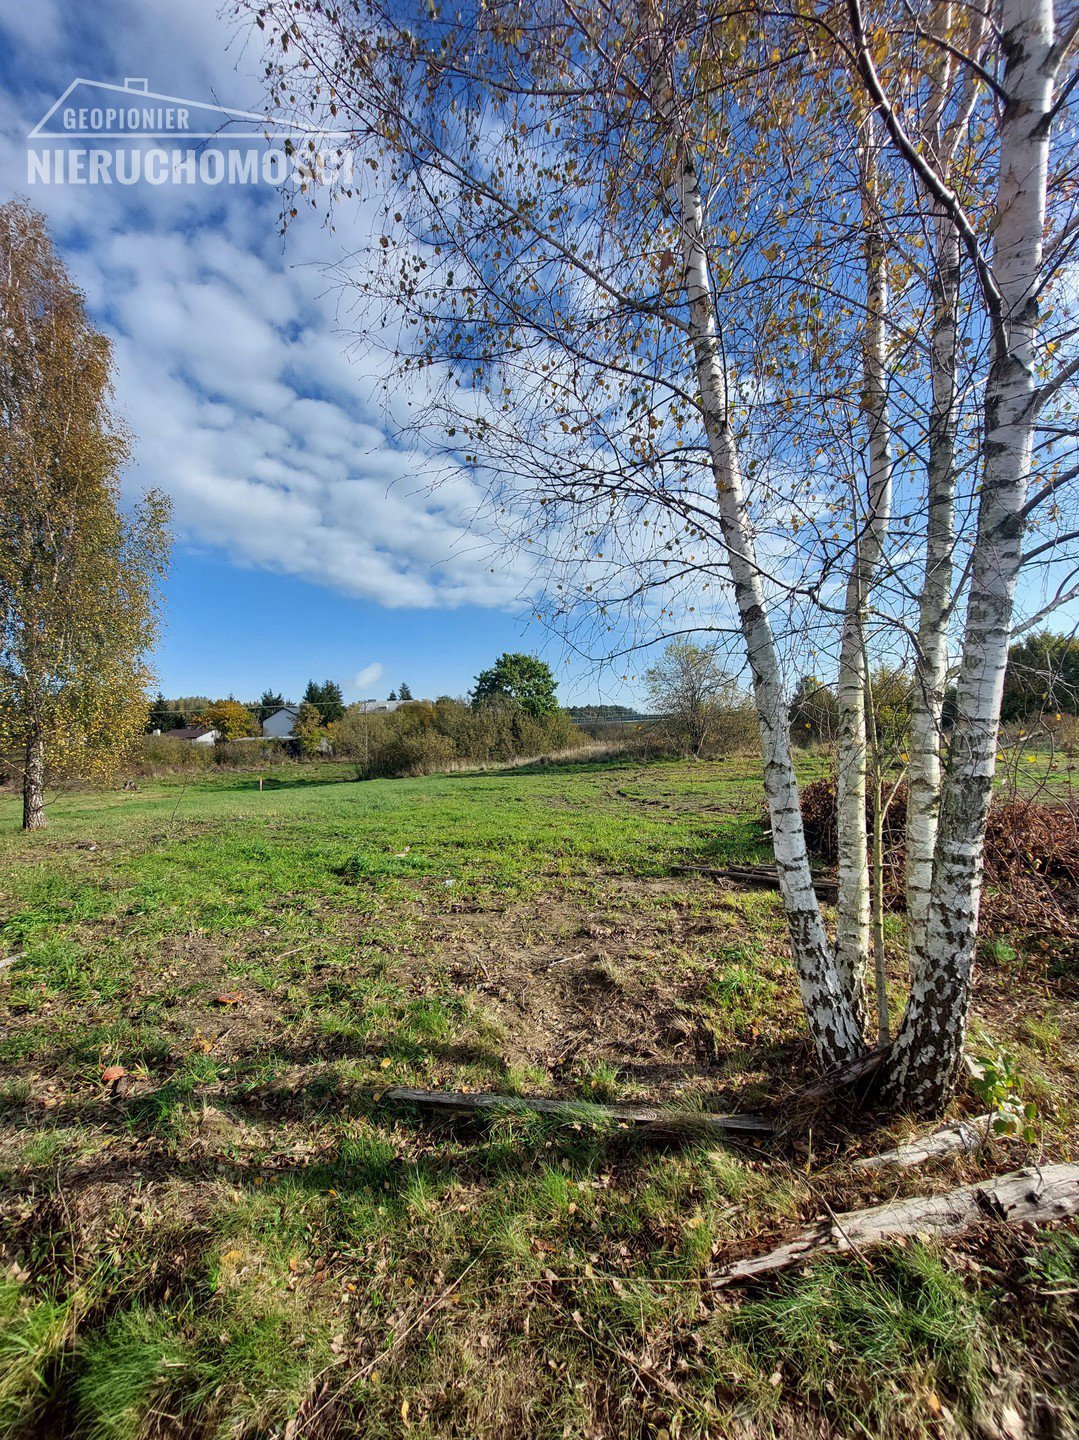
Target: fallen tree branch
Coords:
[[838, 1079], [587, 1112], [1028, 1196], [963, 1137], [764, 876]]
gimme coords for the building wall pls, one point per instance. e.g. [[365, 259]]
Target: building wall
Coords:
[[279, 725]]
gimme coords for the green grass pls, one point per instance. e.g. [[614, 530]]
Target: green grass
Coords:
[[850, 1339], [249, 1236]]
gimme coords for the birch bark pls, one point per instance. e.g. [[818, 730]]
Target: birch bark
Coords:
[[33, 785], [833, 1024], [931, 661], [852, 920], [928, 1048]]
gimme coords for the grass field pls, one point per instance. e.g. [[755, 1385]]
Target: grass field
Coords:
[[246, 1240]]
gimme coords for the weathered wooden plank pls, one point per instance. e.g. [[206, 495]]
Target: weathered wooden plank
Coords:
[[587, 1111]]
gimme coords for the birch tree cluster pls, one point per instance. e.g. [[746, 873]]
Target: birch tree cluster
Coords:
[[758, 324]]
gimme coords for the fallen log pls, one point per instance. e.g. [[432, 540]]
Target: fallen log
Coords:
[[763, 876], [1029, 1196], [964, 1137], [586, 1111]]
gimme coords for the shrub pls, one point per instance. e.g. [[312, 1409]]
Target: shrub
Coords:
[[734, 732], [420, 753], [418, 738], [1031, 876], [157, 755], [245, 755]]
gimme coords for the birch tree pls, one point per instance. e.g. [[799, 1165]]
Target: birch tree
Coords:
[[77, 579], [853, 917], [645, 277], [1012, 278]]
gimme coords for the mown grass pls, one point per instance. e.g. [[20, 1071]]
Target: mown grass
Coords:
[[249, 1237]]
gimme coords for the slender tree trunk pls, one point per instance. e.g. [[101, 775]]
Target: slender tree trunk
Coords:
[[928, 1048], [931, 661], [836, 1033], [33, 784], [876, 879], [877, 892], [852, 922]]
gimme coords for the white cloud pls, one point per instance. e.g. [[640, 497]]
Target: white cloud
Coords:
[[264, 423], [363, 681]]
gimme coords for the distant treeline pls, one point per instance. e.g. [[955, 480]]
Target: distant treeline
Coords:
[[604, 714]]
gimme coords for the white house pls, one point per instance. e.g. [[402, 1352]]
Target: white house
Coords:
[[279, 725], [193, 734]]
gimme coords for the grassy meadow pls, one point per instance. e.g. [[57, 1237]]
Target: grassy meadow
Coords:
[[239, 1239]]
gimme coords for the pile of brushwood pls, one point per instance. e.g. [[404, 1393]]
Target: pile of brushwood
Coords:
[[1031, 858]]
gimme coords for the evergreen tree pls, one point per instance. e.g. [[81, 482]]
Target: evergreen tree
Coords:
[[326, 698]]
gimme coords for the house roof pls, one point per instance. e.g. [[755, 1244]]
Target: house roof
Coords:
[[293, 710], [190, 732]]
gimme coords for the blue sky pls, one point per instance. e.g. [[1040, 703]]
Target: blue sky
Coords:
[[309, 542]]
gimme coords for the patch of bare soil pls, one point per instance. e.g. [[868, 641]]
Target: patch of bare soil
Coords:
[[571, 987]]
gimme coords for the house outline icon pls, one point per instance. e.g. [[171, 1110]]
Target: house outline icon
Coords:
[[134, 92]]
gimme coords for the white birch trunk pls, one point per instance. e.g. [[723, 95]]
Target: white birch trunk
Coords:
[[833, 1025], [852, 919], [928, 1048], [931, 661]]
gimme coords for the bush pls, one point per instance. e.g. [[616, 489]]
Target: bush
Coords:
[[158, 755], [419, 738], [1031, 876], [420, 753], [734, 732], [246, 755]]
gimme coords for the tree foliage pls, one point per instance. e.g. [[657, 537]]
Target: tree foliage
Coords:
[[269, 702], [1042, 676], [521, 678], [326, 698], [421, 737], [690, 689], [78, 579], [309, 731], [232, 719]]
